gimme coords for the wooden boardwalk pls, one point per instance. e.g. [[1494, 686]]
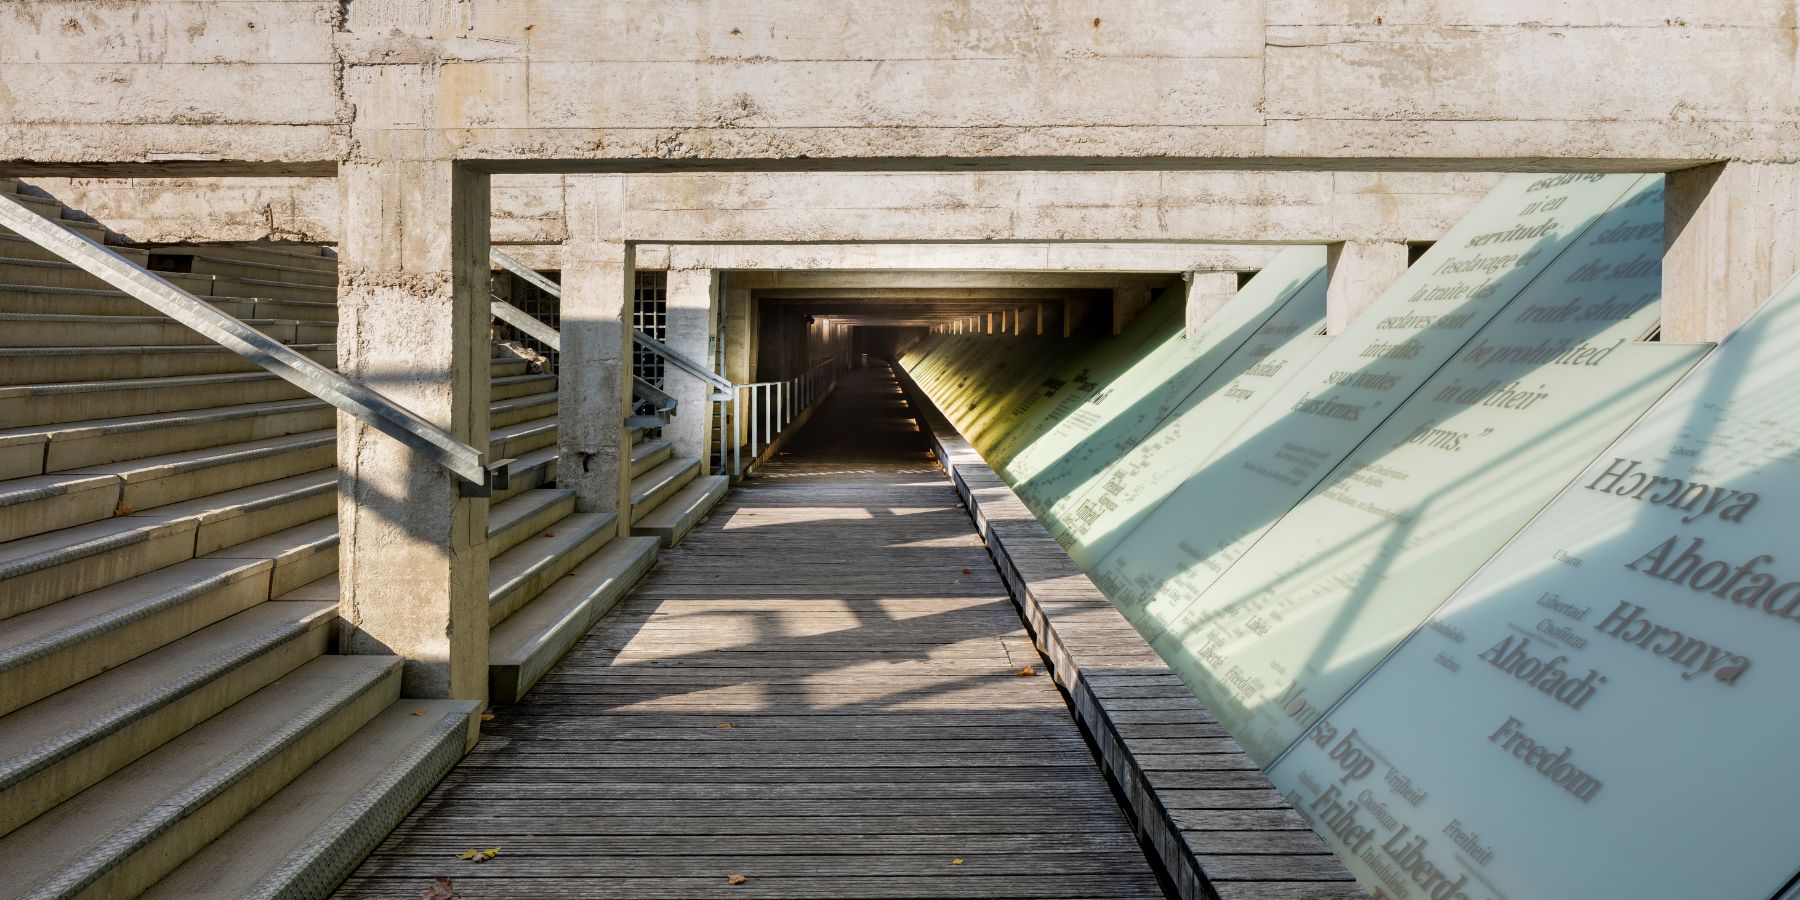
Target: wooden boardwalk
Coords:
[[818, 691]]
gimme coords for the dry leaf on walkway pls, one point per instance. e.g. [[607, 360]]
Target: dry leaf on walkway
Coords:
[[487, 717], [967, 571], [957, 861], [440, 890], [736, 878], [724, 724], [123, 509], [418, 712], [1027, 671]]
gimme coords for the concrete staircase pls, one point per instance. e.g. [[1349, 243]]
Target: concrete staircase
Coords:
[[172, 716]]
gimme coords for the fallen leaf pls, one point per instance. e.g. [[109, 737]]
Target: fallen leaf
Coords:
[[966, 571], [418, 712], [487, 717], [1027, 672], [957, 861], [123, 509], [736, 878], [724, 724], [440, 890], [467, 854]]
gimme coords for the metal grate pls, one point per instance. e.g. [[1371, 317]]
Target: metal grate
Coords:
[[650, 314]]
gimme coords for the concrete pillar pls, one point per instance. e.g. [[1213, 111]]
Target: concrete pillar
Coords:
[[1129, 300], [1207, 293], [740, 344], [1051, 318], [1027, 320], [1356, 273], [1730, 240], [413, 323], [1075, 315], [594, 381], [693, 311]]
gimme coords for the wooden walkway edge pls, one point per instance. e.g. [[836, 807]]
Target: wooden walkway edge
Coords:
[[817, 694], [1220, 828]]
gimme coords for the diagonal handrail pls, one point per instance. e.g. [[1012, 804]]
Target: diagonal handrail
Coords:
[[533, 327], [365, 404], [638, 337]]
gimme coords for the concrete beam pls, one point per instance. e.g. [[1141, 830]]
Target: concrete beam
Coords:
[[1730, 240], [412, 323], [1356, 273], [1047, 209], [1207, 293]]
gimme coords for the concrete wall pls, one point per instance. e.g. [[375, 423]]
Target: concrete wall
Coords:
[[265, 85], [1301, 207]]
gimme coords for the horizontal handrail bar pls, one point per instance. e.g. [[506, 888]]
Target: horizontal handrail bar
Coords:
[[367, 405], [526, 322]]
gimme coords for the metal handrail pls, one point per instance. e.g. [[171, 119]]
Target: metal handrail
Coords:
[[533, 327], [555, 290], [365, 404]]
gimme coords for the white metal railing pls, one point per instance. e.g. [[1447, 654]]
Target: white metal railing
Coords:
[[755, 416], [367, 405]]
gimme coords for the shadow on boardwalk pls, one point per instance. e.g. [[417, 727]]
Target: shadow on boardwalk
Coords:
[[810, 692]]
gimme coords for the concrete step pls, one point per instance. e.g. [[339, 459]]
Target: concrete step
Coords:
[[300, 555], [660, 484], [267, 269], [522, 409], [123, 835], [675, 517], [54, 211], [72, 445], [49, 649], [531, 512], [13, 246], [514, 441], [94, 302], [57, 747], [47, 273], [44, 503], [306, 256], [48, 404], [265, 289], [647, 455], [531, 640], [50, 365], [308, 838], [29, 330], [515, 386], [42, 569], [532, 470], [525, 570]]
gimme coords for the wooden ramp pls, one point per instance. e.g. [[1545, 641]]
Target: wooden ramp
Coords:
[[819, 691]]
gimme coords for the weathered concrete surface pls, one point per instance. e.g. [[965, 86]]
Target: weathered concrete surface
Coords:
[[693, 302], [1732, 236], [1356, 274], [1195, 207], [593, 379], [1538, 84], [1207, 293], [412, 315]]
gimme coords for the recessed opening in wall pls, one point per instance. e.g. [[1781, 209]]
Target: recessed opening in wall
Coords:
[[1416, 249], [1244, 277], [650, 315]]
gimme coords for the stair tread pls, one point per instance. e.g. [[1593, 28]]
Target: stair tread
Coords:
[[74, 843], [312, 536], [685, 507], [32, 488], [150, 421], [298, 835], [522, 506], [658, 479], [140, 349], [35, 634], [58, 725], [208, 457], [646, 449], [212, 507], [142, 384], [42, 550], [511, 641], [540, 551]]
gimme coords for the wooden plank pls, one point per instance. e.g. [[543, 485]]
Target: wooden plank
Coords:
[[842, 616]]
